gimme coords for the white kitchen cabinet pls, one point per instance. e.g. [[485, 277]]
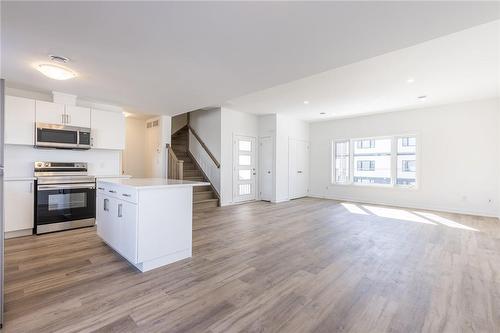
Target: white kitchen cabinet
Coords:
[[19, 203], [19, 121], [117, 225], [127, 221], [50, 113], [148, 221], [77, 116], [107, 129]]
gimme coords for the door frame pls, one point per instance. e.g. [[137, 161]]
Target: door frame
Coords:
[[261, 168], [235, 166]]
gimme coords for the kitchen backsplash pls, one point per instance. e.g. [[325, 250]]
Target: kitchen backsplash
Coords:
[[19, 160]]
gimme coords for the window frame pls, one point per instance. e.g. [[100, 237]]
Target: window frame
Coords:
[[394, 161]]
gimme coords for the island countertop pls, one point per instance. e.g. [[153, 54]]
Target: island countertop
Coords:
[[152, 183]]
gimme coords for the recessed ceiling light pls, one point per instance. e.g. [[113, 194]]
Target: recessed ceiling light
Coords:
[[306, 102], [410, 80], [56, 72], [322, 113], [422, 98]]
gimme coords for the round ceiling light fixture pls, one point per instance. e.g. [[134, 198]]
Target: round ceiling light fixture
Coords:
[[306, 102], [56, 72], [422, 98], [410, 80], [322, 113]]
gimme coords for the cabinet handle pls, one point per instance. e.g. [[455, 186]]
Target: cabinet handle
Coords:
[[69, 118], [31, 187], [101, 188], [62, 118], [126, 195], [106, 203], [111, 191], [120, 208]]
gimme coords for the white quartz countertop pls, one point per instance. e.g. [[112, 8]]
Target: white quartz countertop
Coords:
[[152, 183]]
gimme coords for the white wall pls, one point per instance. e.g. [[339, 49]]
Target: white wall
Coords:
[[179, 122], [19, 160], [233, 123], [207, 124], [282, 128], [286, 128], [134, 154], [458, 159], [156, 152]]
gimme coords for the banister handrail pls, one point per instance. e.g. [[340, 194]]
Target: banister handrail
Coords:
[[175, 165], [197, 137]]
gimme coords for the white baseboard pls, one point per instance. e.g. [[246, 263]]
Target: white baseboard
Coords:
[[411, 206], [18, 233]]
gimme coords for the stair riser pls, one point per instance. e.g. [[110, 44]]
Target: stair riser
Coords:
[[204, 205], [202, 188], [197, 196]]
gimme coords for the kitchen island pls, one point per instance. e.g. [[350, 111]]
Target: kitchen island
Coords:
[[148, 221]]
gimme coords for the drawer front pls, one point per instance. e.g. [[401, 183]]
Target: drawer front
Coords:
[[127, 194]]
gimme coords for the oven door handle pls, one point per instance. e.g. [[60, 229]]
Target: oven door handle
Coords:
[[65, 187]]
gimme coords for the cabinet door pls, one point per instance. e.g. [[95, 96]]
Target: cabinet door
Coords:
[[127, 219], [19, 121], [19, 203], [108, 129], [49, 113], [77, 116]]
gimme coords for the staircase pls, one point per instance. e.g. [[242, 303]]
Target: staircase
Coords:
[[204, 197]]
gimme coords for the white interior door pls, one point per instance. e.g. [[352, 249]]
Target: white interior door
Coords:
[[244, 168], [298, 168], [266, 174]]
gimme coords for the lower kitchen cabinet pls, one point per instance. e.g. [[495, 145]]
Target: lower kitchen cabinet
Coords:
[[117, 225], [18, 205]]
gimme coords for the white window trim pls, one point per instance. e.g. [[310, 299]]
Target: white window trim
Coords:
[[394, 162]]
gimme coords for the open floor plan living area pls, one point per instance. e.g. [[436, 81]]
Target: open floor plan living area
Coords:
[[267, 166]]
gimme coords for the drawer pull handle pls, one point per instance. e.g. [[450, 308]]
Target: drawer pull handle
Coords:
[[111, 191], [126, 195]]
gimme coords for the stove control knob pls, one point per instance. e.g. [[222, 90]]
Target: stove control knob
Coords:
[[47, 164], [39, 164]]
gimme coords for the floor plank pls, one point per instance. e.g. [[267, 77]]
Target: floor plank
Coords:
[[308, 265]]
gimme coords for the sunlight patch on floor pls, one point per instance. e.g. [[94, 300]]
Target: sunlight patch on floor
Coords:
[[445, 221], [354, 209], [396, 213]]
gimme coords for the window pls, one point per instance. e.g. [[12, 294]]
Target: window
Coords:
[[406, 161], [364, 144], [367, 155], [342, 159], [389, 161], [408, 166], [408, 142], [366, 165]]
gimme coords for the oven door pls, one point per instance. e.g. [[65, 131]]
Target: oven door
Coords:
[[57, 203]]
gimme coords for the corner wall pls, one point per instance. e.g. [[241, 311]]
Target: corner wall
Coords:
[[459, 159]]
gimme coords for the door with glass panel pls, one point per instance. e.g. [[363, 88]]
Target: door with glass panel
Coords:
[[244, 168]]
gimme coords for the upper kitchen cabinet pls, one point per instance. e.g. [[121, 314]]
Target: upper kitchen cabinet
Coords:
[[77, 116], [107, 129], [60, 114], [19, 121], [50, 113]]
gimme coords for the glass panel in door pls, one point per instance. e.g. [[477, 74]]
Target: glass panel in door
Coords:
[[244, 168]]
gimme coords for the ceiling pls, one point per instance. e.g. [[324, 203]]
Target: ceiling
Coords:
[[174, 57], [462, 66]]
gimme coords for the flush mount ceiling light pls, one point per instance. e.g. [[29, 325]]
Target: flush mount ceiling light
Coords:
[[322, 113], [56, 72], [306, 102], [422, 98], [410, 80]]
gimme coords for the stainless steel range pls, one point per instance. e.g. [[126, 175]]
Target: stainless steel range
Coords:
[[64, 197]]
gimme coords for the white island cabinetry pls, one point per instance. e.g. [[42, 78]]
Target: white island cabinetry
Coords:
[[148, 221]]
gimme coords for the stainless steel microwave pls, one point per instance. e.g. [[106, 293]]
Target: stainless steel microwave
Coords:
[[62, 136]]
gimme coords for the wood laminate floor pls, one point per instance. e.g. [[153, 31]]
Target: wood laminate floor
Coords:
[[308, 265]]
